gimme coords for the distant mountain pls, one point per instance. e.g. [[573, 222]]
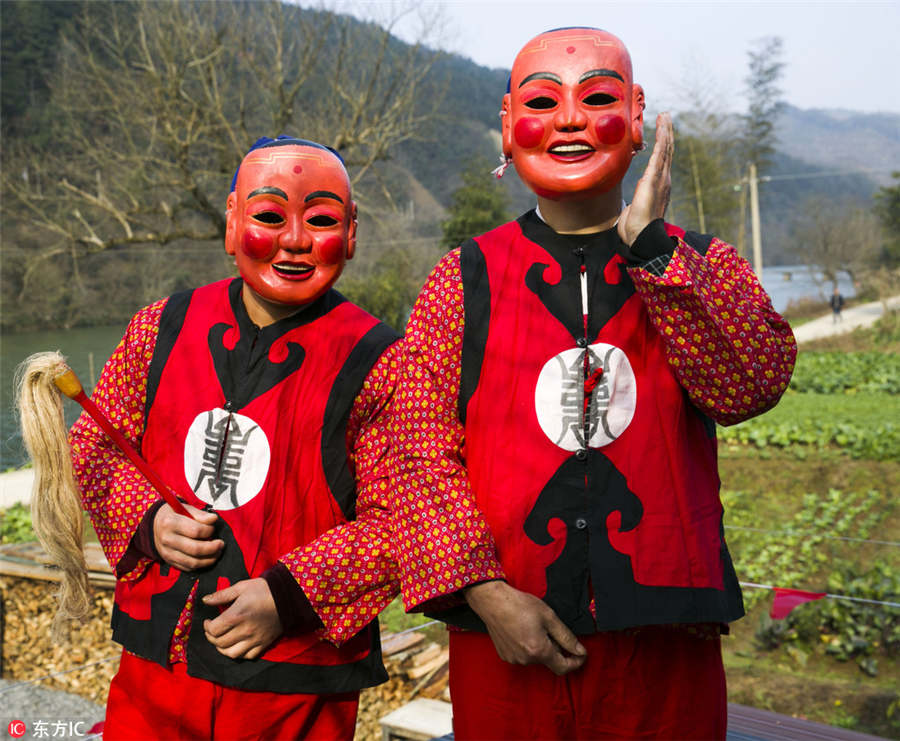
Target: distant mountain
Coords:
[[842, 140], [840, 154], [423, 173]]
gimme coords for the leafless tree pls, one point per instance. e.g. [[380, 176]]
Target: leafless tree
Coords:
[[833, 237], [705, 169], [155, 103]]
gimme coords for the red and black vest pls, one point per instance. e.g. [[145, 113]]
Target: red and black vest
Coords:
[[603, 502], [251, 422]]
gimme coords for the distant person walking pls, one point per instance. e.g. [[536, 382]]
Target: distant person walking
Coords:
[[837, 303]]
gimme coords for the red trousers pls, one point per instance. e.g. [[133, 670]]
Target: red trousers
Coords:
[[148, 701], [652, 683]]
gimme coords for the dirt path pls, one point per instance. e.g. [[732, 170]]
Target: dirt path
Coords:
[[863, 315]]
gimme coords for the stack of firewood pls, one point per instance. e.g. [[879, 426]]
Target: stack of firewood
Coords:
[[417, 666], [28, 652]]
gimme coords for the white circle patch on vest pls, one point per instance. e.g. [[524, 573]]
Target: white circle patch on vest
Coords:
[[226, 458], [559, 397]]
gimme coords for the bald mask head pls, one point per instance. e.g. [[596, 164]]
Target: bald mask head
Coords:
[[291, 221], [573, 118]]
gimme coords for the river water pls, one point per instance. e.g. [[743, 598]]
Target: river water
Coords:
[[786, 283], [87, 350]]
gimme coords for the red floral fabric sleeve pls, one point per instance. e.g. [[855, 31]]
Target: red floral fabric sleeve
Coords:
[[730, 350], [113, 492], [348, 574], [442, 539]]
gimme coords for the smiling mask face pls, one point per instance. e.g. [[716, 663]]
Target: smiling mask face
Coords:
[[291, 222], [573, 118]]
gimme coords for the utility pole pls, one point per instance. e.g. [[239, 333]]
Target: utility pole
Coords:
[[754, 223], [742, 222]]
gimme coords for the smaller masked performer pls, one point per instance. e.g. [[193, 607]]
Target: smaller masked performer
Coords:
[[562, 377], [262, 401]]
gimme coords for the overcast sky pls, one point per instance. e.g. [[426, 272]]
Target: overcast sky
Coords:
[[837, 54]]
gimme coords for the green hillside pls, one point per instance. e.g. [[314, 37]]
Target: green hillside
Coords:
[[404, 186]]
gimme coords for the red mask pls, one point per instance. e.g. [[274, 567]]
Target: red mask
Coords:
[[573, 118], [291, 224]]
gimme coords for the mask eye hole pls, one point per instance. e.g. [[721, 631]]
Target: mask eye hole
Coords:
[[600, 99], [268, 217], [540, 103], [322, 220]]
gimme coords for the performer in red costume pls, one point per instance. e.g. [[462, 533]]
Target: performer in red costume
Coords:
[[564, 372], [262, 401]]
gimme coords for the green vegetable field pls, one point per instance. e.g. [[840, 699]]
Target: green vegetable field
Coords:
[[810, 494]]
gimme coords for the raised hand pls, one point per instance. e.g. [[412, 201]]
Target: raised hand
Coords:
[[651, 194], [249, 624], [524, 629], [185, 543]]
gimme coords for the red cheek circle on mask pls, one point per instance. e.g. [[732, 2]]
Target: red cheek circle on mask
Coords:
[[529, 132], [257, 245], [610, 129], [330, 250]]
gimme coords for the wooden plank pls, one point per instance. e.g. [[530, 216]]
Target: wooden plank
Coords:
[[431, 651], [751, 724], [421, 669], [394, 643], [429, 719], [29, 561], [419, 720], [95, 558], [40, 572], [32, 551]]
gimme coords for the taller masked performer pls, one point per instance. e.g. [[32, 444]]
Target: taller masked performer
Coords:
[[262, 401], [563, 377]]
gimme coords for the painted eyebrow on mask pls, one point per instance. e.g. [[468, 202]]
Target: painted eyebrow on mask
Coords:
[[323, 194], [542, 76], [269, 190], [600, 73]]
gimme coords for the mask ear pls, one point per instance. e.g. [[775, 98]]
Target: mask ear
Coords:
[[230, 225], [506, 127], [351, 232], [637, 118]]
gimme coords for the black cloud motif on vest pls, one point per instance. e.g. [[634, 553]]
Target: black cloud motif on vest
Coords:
[[245, 372]]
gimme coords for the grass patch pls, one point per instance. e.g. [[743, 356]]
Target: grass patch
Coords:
[[871, 409], [864, 425], [846, 373], [15, 524], [395, 619]]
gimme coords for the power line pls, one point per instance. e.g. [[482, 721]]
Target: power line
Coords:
[[828, 596], [812, 533], [827, 174], [785, 176]]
